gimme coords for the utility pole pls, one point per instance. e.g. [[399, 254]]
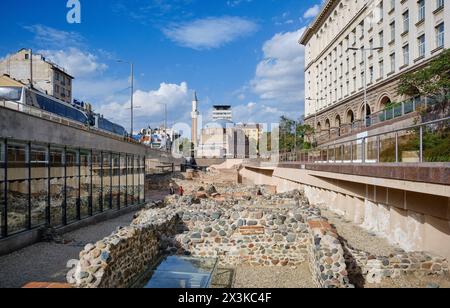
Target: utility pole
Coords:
[[131, 94], [132, 97], [165, 117], [31, 68]]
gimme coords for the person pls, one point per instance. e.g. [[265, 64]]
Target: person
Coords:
[[181, 191], [171, 189]]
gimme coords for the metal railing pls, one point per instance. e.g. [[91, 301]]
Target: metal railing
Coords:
[[405, 145], [396, 111]]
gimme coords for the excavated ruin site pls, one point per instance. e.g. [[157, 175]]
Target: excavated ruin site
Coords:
[[261, 239]]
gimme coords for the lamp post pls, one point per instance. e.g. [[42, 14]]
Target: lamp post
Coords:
[[132, 93], [364, 51]]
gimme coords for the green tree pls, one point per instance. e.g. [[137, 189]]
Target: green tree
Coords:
[[431, 81], [292, 134]]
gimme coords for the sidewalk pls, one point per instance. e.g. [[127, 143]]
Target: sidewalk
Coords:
[[46, 262]]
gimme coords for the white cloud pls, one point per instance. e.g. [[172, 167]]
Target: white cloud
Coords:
[[278, 82], [50, 37], [209, 33], [77, 63], [150, 106], [313, 11], [256, 113], [280, 76]]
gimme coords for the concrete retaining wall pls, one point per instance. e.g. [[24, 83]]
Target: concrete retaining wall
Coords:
[[414, 221]]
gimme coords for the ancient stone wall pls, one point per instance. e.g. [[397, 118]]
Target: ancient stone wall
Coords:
[[327, 259], [249, 227], [117, 260]]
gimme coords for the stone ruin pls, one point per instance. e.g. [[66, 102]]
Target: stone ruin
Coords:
[[239, 225]]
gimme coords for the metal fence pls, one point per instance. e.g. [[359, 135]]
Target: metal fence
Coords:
[[426, 142], [395, 111], [54, 185]]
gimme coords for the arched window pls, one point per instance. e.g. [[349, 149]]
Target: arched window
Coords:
[[385, 101], [350, 117], [337, 121], [367, 110], [327, 124]]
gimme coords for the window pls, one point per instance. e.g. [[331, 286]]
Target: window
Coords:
[[371, 47], [406, 22], [27, 56], [57, 76], [440, 4], [440, 35], [406, 55], [392, 58], [381, 38], [421, 4], [421, 44], [392, 5], [10, 93], [392, 26], [381, 68], [56, 89]]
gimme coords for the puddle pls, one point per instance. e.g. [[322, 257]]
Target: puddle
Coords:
[[181, 272]]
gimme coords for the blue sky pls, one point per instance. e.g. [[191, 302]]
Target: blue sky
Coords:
[[238, 52]]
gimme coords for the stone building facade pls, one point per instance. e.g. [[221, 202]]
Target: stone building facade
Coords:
[[398, 37], [47, 76]]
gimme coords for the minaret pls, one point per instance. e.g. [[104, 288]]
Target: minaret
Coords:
[[195, 114]]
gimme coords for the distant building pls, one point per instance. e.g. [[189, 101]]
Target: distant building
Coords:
[[46, 76], [217, 140], [222, 112], [224, 139], [158, 138]]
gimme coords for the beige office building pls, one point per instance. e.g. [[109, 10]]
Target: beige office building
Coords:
[[399, 36], [47, 76]]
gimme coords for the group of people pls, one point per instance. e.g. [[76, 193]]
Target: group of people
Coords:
[[172, 190]]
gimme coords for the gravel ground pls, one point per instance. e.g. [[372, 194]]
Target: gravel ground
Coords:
[[412, 282], [273, 277], [46, 262], [358, 237]]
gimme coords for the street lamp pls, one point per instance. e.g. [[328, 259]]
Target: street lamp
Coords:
[[364, 51], [132, 93]]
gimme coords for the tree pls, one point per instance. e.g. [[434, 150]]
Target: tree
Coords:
[[431, 81], [292, 134]]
